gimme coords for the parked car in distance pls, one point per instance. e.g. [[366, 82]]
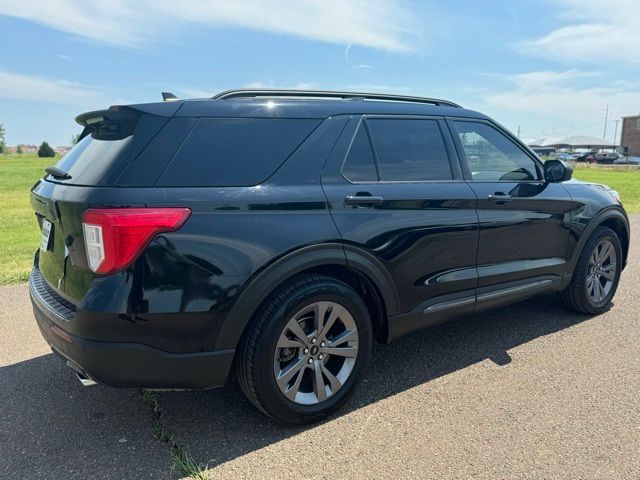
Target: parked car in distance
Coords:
[[627, 160], [606, 158], [565, 157], [585, 157], [282, 233]]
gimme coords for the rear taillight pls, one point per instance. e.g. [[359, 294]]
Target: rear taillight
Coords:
[[115, 236]]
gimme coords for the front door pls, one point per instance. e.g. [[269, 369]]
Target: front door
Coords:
[[524, 221]]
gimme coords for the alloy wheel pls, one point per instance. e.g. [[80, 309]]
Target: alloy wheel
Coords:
[[601, 273], [316, 352]]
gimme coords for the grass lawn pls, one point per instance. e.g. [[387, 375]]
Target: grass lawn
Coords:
[[19, 234], [625, 180]]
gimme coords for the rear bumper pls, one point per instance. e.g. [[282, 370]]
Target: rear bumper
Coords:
[[119, 364]]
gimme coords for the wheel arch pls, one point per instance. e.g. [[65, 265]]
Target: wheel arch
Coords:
[[622, 230], [613, 218], [364, 274]]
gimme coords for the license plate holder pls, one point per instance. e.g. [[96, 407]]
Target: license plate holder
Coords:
[[47, 227]]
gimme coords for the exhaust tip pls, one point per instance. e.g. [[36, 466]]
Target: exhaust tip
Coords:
[[86, 381]]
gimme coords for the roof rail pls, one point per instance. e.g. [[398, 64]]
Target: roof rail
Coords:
[[252, 93]]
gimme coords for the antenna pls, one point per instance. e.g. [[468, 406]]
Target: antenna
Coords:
[[168, 97]]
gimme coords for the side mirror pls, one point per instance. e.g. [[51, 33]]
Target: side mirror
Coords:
[[557, 171]]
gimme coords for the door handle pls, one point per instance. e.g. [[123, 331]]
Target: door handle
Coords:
[[363, 200], [500, 197]]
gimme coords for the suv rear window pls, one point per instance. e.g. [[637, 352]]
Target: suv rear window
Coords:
[[90, 161], [111, 141], [234, 152]]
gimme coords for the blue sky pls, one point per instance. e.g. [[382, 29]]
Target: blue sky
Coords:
[[548, 67]]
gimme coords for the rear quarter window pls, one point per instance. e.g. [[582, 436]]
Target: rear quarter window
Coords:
[[360, 165], [235, 152]]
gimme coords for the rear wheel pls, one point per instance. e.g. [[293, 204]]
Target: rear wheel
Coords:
[[597, 273], [307, 349]]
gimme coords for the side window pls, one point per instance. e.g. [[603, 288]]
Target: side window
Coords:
[[492, 156], [235, 152], [409, 149], [360, 165]]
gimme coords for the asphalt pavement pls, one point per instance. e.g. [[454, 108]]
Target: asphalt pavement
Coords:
[[527, 391]]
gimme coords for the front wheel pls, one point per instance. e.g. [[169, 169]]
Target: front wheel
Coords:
[[307, 349], [597, 273]]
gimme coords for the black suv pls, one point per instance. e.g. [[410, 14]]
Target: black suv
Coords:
[[283, 232]]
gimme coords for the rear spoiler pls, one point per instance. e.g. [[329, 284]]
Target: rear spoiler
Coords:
[[119, 121], [108, 124]]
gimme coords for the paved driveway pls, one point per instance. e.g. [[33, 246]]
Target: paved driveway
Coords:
[[527, 391]]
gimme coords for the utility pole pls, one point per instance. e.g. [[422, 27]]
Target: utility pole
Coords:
[[518, 131], [606, 117], [615, 134]]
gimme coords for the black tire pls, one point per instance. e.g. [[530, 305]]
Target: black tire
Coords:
[[575, 296], [255, 357]]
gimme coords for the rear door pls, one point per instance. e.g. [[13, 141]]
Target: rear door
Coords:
[[524, 221], [397, 194]]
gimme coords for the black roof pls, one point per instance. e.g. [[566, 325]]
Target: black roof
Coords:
[[302, 104]]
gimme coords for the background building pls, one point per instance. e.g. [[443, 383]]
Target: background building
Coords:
[[630, 140], [582, 142]]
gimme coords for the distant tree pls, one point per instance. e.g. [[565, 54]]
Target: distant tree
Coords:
[[45, 150], [19, 149], [2, 142], [75, 138]]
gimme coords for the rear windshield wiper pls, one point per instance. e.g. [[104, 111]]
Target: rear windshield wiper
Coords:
[[55, 172]]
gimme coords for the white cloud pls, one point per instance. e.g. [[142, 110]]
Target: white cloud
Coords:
[[598, 32], [27, 87], [362, 66], [557, 102], [272, 85], [533, 80], [346, 53], [380, 24]]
